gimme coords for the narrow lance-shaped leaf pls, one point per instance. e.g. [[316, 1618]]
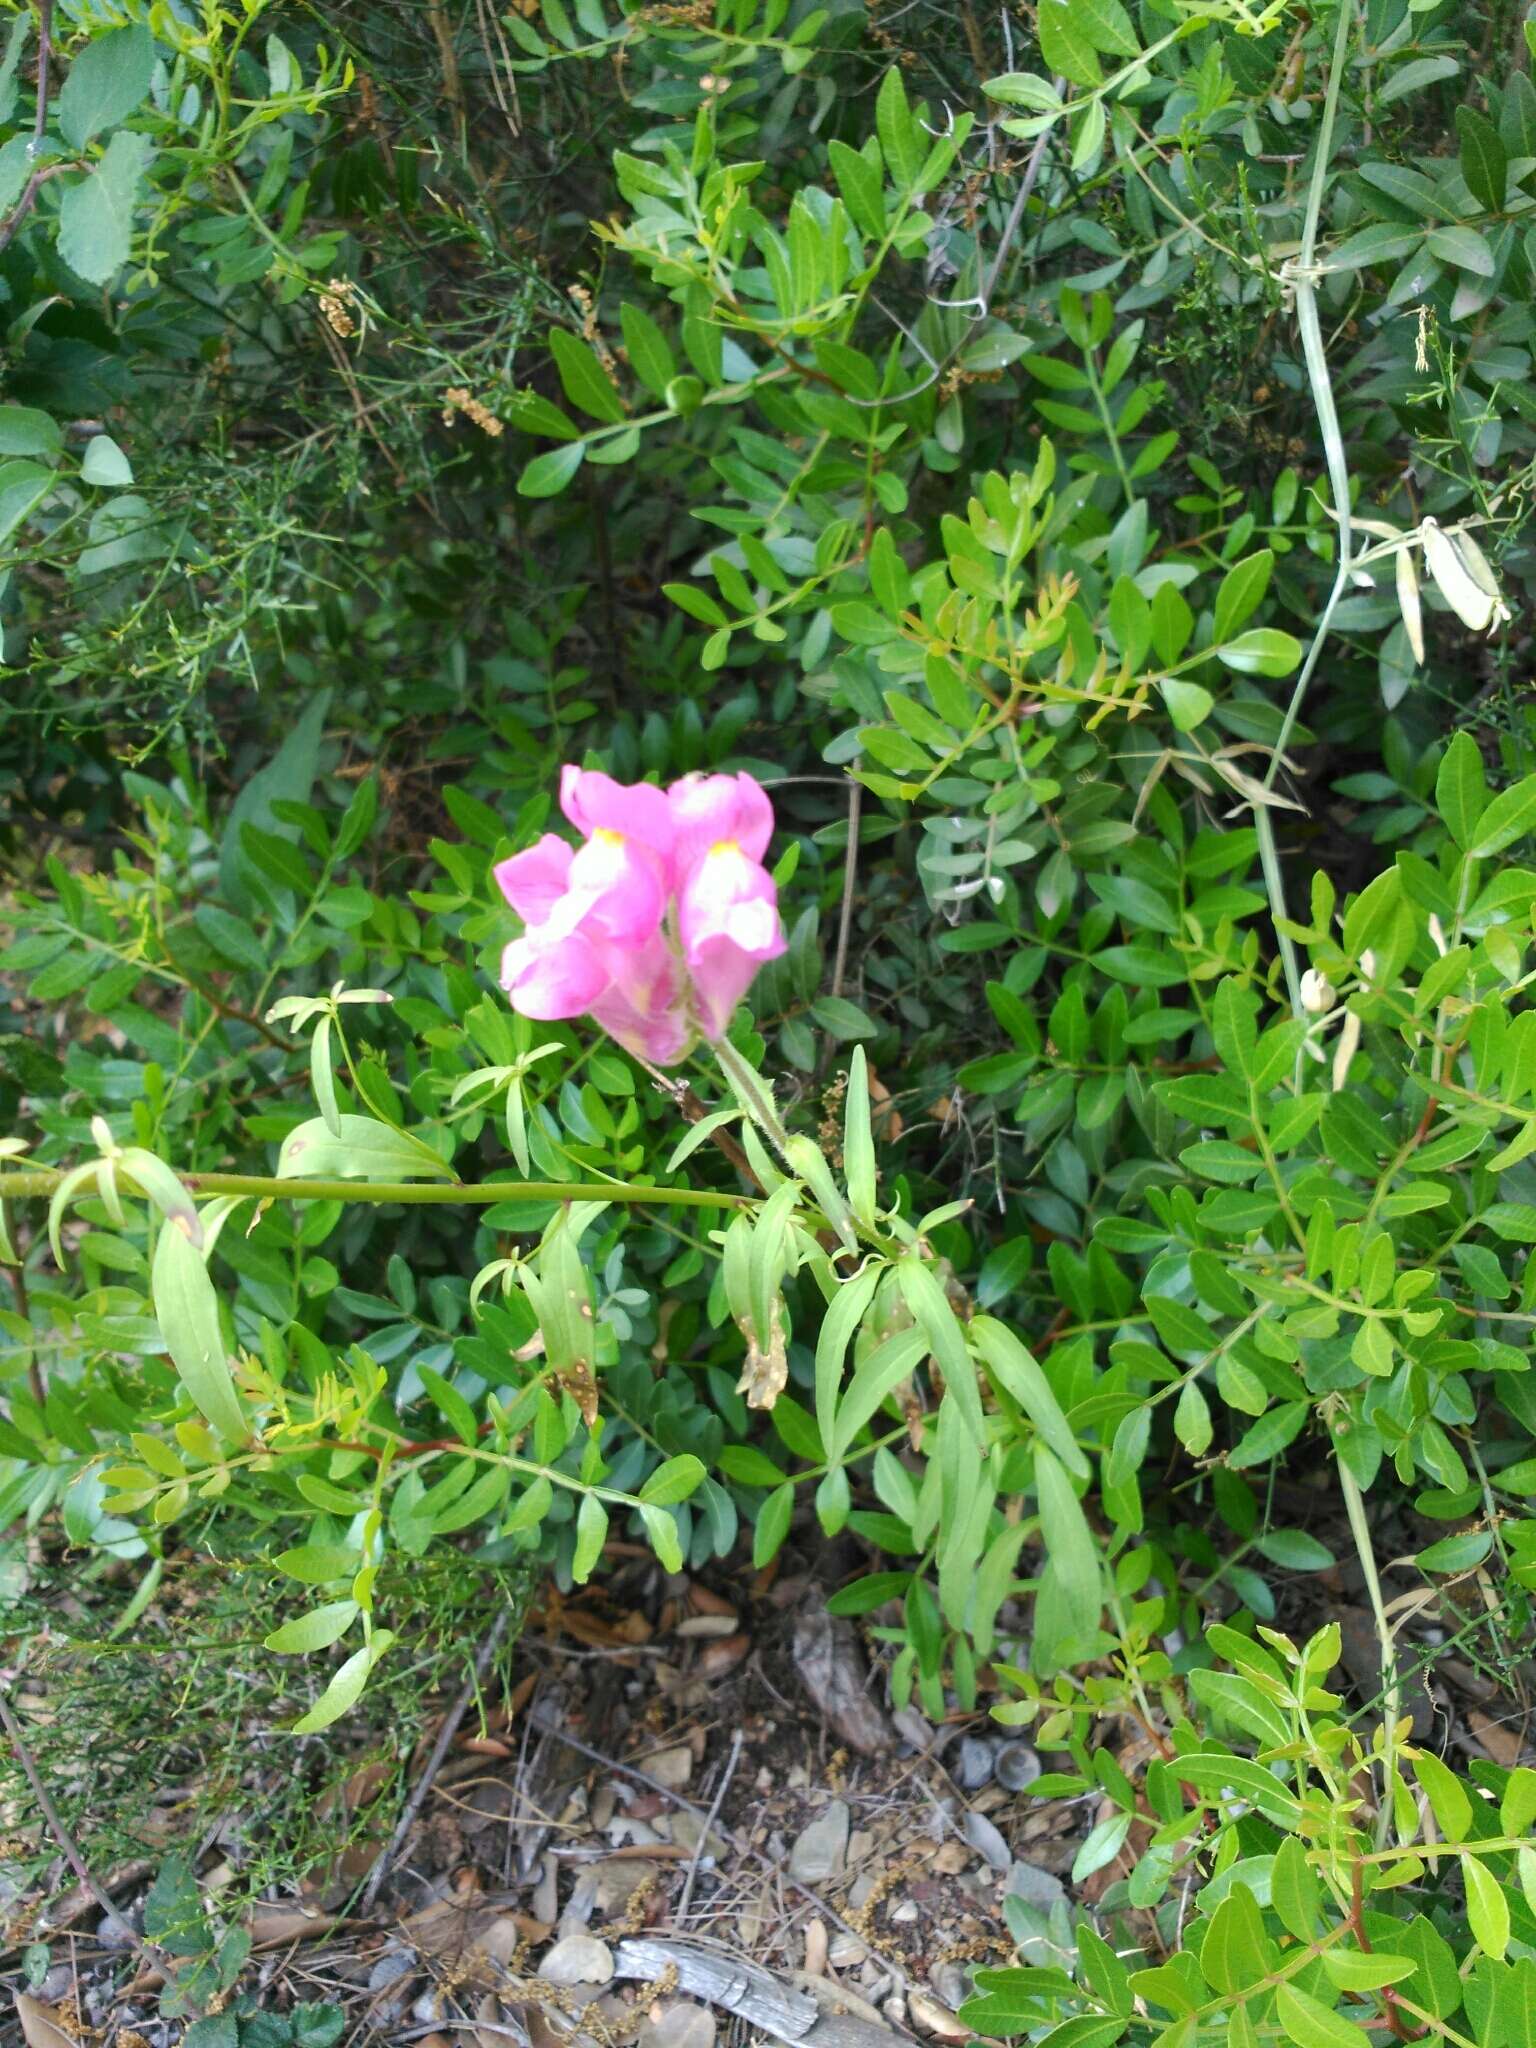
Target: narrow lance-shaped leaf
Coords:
[[187, 1309]]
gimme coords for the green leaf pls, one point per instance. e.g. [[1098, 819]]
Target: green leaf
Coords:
[[288, 777], [842, 1018], [1241, 593], [96, 213], [15, 43], [1069, 1543], [450, 1404], [1235, 1953], [1517, 116], [106, 82], [1510, 816], [650, 354], [1188, 704], [583, 378], [548, 474], [1192, 1420], [862, 187], [1462, 247], [591, 1535], [318, 1564], [1381, 243], [1352, 1972], [661, 1528], [772, 1525], [1018, 1374], [1448, 1798], [23, 485], [1293, 1890], [230, 936], [317, 1630], [105, 463], [942, 1329], [901, 141], [187, 1310], [1484, 161], [1264, 651], [1311, 2024], [346, 1688], [858, 1141], [25, 430], [673, 1481], [1461, 788], [363, 1150], [1065, 47], [1487, 1907]]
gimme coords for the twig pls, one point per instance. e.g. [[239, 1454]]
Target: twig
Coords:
[[38, 178], [54, 1819], [434, 1764], [850, 877], [714, 1813], [1016, 212], [738, 1842]]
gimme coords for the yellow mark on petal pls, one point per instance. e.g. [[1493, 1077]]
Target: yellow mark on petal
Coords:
[[604, 836], [726, 846]]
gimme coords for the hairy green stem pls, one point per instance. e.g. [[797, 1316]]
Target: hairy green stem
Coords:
[[1315, 357], [1391, 1691], [44, 1180]]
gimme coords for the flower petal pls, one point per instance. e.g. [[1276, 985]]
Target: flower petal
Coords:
[[594, 802], [549, 979], [533, 882], [710, 810]]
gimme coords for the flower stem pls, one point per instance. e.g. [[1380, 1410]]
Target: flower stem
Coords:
[[753, 1093], [44, 1180]]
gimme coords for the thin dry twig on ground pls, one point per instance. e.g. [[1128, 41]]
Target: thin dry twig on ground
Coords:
[[434, 1763], [726, 1776], [728, 1834], [54, 1819]]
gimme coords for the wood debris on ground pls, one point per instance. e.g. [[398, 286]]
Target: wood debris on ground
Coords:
[[690, 1820]]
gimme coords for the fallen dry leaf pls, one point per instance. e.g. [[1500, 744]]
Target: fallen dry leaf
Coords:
[[39, 2026], [831, 1665], [716, 1658], [1501, 1739], [269, 1926]]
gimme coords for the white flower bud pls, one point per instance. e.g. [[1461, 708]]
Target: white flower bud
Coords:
[[1345, 1050], [1316, 993]]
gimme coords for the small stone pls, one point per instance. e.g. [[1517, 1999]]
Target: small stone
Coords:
[[818, 1851], [906, 1914], [1017, 1766], [115, 1932], [688, 1827], [950, 1858], [973, 1765], [394, 1964], [950, 1981], [619, 1879], [846, 1951], [578, 1959], [986, 1841], [679, 2024], [671, 1767]]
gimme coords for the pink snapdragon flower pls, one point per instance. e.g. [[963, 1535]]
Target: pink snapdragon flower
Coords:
[[656, 924]]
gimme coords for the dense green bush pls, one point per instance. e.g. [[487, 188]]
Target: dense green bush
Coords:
[[1085, 479]]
